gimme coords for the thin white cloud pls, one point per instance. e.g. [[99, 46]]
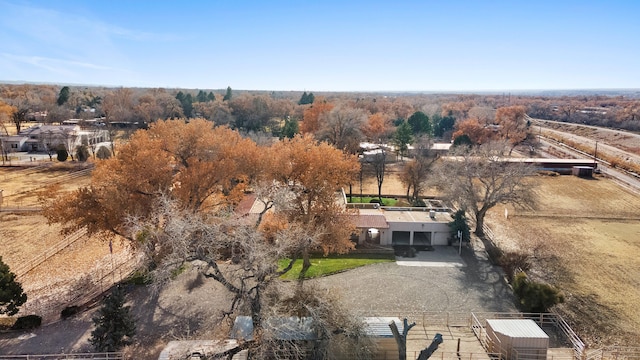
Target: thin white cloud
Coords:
[[54, 64]]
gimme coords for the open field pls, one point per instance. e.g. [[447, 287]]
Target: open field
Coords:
[[584, 239], [25, 236], [22, 184]]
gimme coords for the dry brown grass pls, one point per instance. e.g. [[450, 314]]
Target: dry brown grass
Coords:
[[584, 239], [21, 185], [24, 236]]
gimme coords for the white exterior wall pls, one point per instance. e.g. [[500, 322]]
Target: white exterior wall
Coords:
[[439, 231]]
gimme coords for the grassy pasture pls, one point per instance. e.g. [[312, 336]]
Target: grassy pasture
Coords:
[[585, 239]]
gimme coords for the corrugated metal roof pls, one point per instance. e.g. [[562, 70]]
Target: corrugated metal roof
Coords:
[[379, 326], [517, 328], [284, 328]]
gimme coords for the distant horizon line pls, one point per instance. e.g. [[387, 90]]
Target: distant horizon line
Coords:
[[483, 91]]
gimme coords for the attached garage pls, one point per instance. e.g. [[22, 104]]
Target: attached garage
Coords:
[[517, 339], [400, 238]]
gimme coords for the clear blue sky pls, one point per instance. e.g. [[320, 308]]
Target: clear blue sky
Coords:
[[324, 45]]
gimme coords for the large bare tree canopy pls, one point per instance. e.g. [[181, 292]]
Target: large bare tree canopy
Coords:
[[478, 179], [172, 191]]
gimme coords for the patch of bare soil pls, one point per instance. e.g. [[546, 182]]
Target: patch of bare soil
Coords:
[[584, 238], [391, 184], [623, 140]]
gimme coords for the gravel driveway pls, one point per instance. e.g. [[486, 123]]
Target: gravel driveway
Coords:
[[389, 288], [188, 306]]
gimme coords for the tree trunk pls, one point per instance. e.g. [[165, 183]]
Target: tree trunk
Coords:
[[401, 339], [480, 223], [306, 264]]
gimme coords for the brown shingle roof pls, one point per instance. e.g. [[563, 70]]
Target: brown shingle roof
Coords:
[[371, 221]]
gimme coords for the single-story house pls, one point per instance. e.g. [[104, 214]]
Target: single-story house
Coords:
[[403, 226]]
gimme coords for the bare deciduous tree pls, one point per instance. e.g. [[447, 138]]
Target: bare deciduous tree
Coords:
[[341, 127], [232, 252], [480, 178]]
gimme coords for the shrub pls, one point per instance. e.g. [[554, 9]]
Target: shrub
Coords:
[[512, 262], [82, 153], [535, 297], [69, 311], [27, 322], [103, 153], [139, 278], [63, 155]]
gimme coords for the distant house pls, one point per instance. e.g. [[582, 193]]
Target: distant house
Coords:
[[43, 138], [14, 143]]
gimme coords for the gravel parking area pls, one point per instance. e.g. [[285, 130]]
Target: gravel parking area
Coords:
[[389, 288]]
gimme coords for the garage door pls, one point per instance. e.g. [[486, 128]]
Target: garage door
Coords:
[[400, 237]]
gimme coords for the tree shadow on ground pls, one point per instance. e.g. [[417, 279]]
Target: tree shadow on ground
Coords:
[[488, 281]]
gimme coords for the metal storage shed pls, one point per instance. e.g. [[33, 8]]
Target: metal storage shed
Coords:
[[520, 339], [377, 328]]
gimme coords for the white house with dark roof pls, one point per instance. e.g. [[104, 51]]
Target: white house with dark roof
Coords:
[[42, 138]]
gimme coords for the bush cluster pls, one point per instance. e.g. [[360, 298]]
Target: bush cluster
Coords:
[[513, 262], [27, 322], [535, 297]]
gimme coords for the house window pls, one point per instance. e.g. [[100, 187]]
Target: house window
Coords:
[[14, 146]]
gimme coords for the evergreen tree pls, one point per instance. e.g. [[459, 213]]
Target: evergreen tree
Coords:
[[11, 294], [211, 97], [459, 223], [402, 138], [306, 98], [187, 105], [186, 101], [303, 99], [201, 97], [442, 124], [228, 95], [290, 128], [114, 325], [462, 140], [420, 123], [63, 97]]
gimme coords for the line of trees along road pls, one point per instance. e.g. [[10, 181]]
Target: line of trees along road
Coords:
[[172, 192]]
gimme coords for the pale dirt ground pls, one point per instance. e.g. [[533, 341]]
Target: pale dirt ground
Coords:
[[26, 235], [624, 140], [585, 238], [613, 143]]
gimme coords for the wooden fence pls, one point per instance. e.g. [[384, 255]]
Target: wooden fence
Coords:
[[27, 266]]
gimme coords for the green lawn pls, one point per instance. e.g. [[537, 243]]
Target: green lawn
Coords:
[[366, 200], [322, 266]]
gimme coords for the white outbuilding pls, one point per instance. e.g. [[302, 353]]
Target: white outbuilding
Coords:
[[517, 339]]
